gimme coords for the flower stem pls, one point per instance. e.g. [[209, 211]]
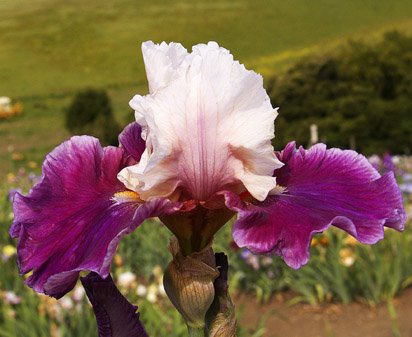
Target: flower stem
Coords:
[[196, 332]]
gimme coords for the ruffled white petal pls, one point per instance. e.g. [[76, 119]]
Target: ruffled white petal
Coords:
[[161, 62], [209, 125]]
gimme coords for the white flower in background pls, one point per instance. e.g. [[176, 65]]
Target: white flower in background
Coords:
[[78, 294], [126, 279], [266, 261], [151, 297], [253, 261], [5, 104], [396, 160], [66, 303], [347, 257], [141, 290], [11, 298], [375, 160]]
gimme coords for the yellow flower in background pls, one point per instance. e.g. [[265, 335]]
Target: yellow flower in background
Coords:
[[324, 241], [347, 257], [32, 164], [314, 242], [152, 291], [17, 156], [319, 241], [11, 178], [17, 108], [8, 251], [118, 261], [157, 272], [350, 241]]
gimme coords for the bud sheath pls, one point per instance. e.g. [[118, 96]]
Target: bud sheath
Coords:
[[188, 282]]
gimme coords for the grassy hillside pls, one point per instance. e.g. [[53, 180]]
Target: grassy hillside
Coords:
[[51, 48], [57, 46]]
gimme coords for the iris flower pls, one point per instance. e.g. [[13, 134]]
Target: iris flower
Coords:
[[199, 152]]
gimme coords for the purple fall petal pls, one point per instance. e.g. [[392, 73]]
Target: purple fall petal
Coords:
[[115, 316], [69, 221], [132, 141], [322, 188]]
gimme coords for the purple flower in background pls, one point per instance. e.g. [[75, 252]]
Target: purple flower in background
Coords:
[[388, 163], [199, 153], [33, 178], [406, 187], [407, 177]]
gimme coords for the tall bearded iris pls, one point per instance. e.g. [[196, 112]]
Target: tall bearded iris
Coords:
[[199, 152]]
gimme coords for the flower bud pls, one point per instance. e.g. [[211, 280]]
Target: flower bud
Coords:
[[188, 282]]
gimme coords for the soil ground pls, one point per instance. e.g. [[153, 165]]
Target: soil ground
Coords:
[[330, 320]]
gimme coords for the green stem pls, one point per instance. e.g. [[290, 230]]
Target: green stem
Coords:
[[196, 332]]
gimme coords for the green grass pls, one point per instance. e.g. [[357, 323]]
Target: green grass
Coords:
[[49, 49], [54, 47]]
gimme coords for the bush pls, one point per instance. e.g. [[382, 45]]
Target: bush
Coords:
[[91, 113], [359, 97]]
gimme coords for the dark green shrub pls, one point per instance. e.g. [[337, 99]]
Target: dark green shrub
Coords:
[[91, 113], [360, 95]]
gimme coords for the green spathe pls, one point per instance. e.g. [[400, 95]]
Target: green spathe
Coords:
[[188, 282]]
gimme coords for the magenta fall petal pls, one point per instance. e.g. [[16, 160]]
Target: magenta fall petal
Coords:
[[69, 221], [321, 188], [131, 140]]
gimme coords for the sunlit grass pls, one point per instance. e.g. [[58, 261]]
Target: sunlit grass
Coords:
[[56, 47], [49, 50]]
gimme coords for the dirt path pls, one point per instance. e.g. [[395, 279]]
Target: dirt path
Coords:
[[332, 320]]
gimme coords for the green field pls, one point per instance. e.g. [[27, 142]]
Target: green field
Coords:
[[49, 49]]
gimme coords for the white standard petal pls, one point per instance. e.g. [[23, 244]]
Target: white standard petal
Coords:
[[161, 62], [208, 127]]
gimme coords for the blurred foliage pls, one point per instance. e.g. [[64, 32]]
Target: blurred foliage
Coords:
[[149, 245], [340, 269], [344, 270], [91, 113], [360, 97]]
